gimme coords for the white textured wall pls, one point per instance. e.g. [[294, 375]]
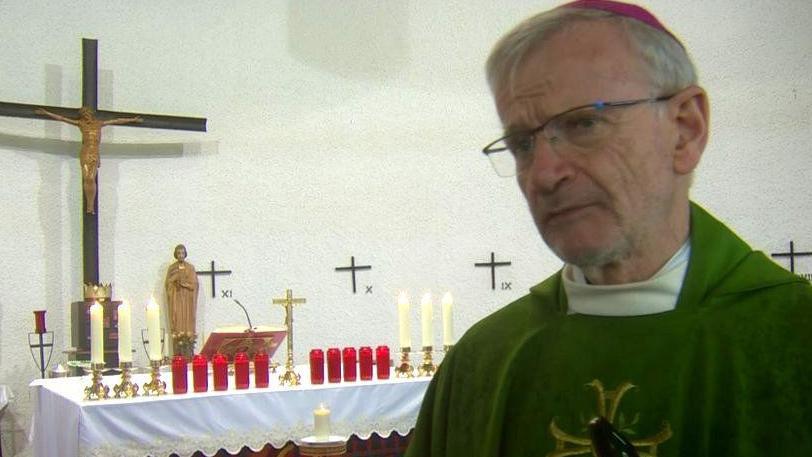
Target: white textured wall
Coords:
[[335, 129]]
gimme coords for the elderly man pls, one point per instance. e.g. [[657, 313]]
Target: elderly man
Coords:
[[663, 325]]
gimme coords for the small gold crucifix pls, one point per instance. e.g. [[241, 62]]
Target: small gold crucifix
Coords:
[[290, 377]]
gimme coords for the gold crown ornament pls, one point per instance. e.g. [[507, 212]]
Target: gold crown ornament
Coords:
[[98, 292]]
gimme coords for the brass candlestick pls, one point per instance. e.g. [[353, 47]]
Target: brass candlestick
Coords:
[[426, 368], [405, 368], [126, 389], [97, 390], [155, 386]]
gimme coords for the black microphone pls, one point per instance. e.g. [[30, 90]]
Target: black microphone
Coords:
[[250, 327]]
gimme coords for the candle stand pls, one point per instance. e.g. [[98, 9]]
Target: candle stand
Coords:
[[42, 364], [405, 368], [97, 390], [126, 389], [155, 386], [426, 368]]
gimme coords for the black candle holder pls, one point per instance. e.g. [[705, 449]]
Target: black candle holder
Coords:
[[43, 343]]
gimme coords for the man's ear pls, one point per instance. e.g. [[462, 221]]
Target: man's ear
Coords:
[[689, 109]]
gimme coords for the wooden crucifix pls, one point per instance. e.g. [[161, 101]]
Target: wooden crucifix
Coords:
[[90, 121]]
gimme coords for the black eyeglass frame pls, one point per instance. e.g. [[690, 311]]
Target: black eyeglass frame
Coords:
[[490, 149]]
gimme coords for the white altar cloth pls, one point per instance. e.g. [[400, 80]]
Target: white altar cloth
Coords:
[[66, 425]]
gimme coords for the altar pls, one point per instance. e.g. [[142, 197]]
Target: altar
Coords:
[[66, 425]]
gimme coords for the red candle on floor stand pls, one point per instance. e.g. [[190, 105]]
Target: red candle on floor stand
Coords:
[[179, 375], [333, 365], [241, 370], [261, 369], [316, 366], [365, 363], [39, 321], [200, 373], [382, 361], [220, 365], [350, 364]]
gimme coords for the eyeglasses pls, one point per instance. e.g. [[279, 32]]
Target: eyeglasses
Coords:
[[583, 128]]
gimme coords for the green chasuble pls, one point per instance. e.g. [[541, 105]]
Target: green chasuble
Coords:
[[728, 372]]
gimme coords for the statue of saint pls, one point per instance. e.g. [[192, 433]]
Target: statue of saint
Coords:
[[181, 295], [91, 137]]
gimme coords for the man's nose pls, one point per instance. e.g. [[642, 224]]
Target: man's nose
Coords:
[[548, 168]]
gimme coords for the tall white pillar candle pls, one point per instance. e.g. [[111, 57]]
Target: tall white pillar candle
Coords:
[[321, 422], [154, 329], [448, 321], [125, 341], [96, 333], [404, 325], [426, 317]]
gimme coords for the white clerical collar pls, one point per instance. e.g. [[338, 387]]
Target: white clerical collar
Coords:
[[656, 295]]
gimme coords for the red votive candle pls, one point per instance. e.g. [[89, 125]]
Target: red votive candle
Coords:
[[365, 363], [39, 321], [382, 361], [200, 373], [179, 375], [241, 370], [261, 369], [350, 364], [220, 365], [333, 365], [316, 366]]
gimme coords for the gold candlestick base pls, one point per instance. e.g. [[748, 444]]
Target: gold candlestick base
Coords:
[[97, 390], [405, 368], [126, 389], [426, 368], [155, 386], [289, 377]]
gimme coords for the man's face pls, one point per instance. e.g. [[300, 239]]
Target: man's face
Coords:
[[180, 253], [614, 202]]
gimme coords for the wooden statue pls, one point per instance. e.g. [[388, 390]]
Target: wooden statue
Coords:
[[91, 137], [181, 295]]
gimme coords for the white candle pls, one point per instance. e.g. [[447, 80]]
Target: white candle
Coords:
[[426, 316], [404, 321], [125, 341], [154, 329], [448, 322], [321, 422], [96, 333]]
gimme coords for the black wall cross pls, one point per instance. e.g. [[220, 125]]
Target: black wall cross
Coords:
[[213, 272], [90, 231], [791, 254], [492, 264], [353, 268]]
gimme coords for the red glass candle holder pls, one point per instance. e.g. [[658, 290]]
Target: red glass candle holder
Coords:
[[200, 373], [261, 369], [333, 365], [39, 321], [179, 375], [382, 361], [220, 367], [241, 370], [316, 366], [350, 364], [365, 363]]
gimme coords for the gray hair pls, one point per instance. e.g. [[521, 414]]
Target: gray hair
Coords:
[[669, 67]]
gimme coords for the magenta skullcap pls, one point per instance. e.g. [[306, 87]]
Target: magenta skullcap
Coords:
[[622, 9]]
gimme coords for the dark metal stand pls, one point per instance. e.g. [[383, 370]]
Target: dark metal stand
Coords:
[[42, 364]]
